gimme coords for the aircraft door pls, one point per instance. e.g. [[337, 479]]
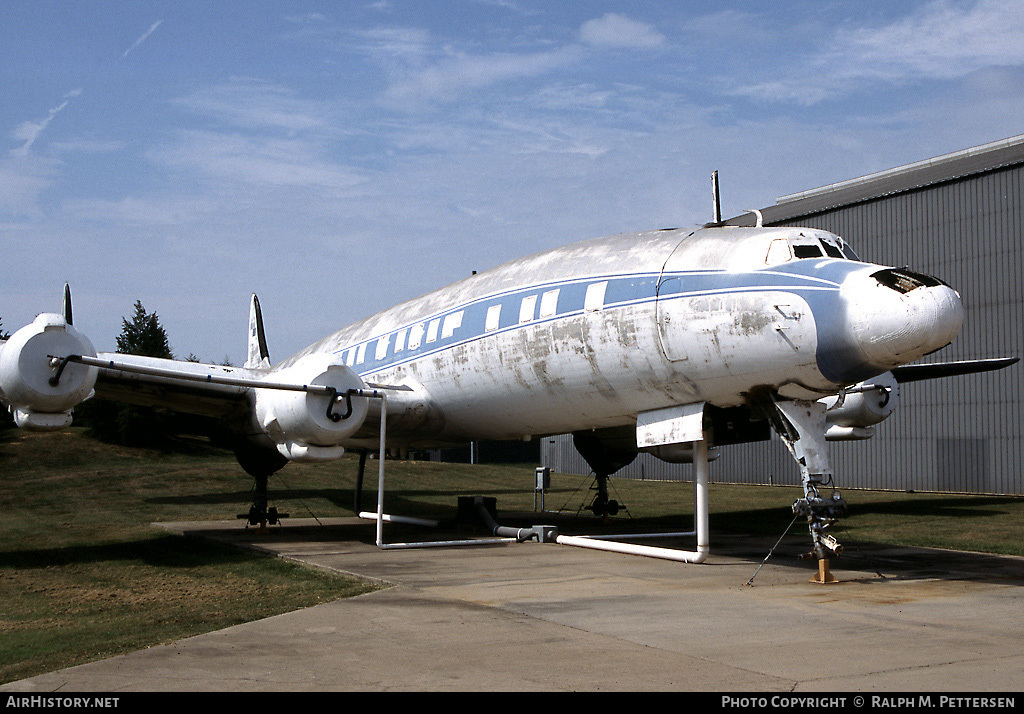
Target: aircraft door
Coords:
[[683, 325], [673, 314], [669, 319]]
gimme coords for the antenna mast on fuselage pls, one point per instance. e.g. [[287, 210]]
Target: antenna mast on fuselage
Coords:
[[716, 203]]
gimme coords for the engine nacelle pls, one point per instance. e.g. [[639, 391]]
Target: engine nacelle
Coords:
[[298, 422], [854, 415], [28, 362]]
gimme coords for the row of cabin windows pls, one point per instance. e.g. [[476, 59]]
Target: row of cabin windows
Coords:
[[442, 328]]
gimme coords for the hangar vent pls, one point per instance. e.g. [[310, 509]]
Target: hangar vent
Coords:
[[959, 217]]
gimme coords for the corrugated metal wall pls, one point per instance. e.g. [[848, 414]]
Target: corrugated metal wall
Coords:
[[961, 434]]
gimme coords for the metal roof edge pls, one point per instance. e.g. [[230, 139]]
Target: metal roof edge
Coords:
[[956, 156], [897, 180]]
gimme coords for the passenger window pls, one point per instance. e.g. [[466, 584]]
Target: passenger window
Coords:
[[549, 304], [493, 316], [528, 308], [415, 336], [451, 324], [594, 299]]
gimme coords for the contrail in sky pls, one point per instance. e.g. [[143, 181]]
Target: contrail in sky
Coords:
[[142, 39], [29, 131]]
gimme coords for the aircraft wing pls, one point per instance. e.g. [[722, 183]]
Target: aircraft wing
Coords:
[[190, 387], [302, 412]]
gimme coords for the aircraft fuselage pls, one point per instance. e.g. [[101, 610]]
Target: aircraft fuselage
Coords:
[[593, 334]]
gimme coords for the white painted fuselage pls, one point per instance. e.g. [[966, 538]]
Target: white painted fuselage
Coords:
[[594, 334]]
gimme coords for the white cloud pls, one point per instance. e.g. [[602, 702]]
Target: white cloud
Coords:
[[149, 211], [87, 146], [23, 178], [940, 40], [614, 30], [449, 78], [254, 160], [388, 45], [28, 132], [255, 105]]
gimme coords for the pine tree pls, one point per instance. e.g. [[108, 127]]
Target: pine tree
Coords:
[[143, 335]]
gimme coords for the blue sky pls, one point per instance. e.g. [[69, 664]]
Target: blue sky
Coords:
[[337, 158]]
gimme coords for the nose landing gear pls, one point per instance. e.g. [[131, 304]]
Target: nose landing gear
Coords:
[[802, 427]]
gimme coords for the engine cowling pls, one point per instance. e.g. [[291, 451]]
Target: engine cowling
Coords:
[[298, 422], [28, 362], [854, 415]]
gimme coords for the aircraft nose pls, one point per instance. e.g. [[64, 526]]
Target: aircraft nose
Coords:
[[898, 316]]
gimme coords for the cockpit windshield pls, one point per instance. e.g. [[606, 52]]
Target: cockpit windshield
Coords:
[[807, 250], [808, 244]]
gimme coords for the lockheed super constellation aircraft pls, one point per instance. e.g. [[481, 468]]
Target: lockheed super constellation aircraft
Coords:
[[672, 342]]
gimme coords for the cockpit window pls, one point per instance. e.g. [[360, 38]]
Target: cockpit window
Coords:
[[904, 280], [831, 250], [807, 251], [778, 252], [808, 245]]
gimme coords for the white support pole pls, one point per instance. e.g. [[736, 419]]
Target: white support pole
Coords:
[[702, 471], [684, 556], [380, 469], [640, 536], [388, 518], [702, 478], [380, 516]]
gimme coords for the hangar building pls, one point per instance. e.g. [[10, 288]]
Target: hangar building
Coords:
[[959, 217]]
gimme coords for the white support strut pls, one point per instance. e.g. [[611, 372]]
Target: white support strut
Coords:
[[380, 517], [701, 527], [702, 472]]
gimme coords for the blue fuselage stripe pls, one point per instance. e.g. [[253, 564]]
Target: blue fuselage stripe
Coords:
[[810, 279]]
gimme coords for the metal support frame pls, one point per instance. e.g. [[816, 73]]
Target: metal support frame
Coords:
[[550, 534], [702, 472], [380, 517]]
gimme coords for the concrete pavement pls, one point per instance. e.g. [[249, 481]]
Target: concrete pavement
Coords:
[[532, 616]]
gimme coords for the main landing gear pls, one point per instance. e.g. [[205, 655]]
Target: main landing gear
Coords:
[[260, 515], [606, 451], [602, 505]]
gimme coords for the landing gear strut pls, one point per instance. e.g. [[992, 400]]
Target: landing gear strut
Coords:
[[602, 505], [259, 513], [259, 461], [802, 427], [606, 451]]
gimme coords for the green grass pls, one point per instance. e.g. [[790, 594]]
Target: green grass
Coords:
[[84, 575]]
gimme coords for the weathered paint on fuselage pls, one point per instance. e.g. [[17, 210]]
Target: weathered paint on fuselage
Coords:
[[590, 335]]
